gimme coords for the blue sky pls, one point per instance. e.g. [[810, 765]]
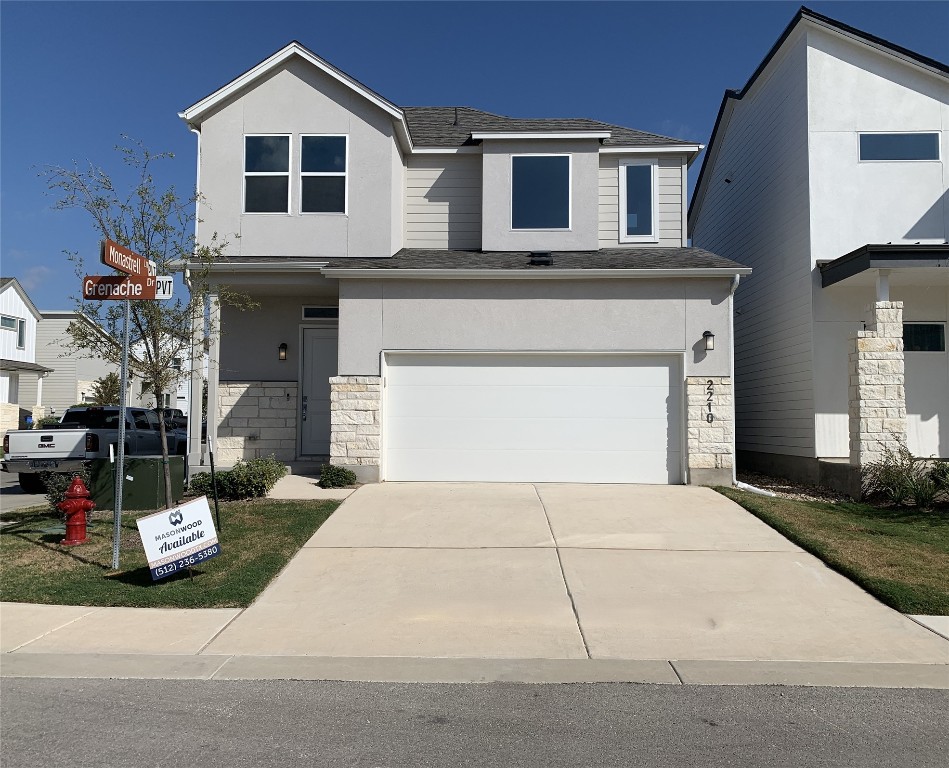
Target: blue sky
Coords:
[[74, 76]]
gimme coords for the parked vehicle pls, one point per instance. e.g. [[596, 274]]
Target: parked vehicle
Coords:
[[84, 433]]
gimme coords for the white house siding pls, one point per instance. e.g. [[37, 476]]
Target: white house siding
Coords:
[[299, 99], [670, 212], [13, 306], [443, 201], [760, 219]]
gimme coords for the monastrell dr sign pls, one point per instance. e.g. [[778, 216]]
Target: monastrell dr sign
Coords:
[[178, 538], [125, 260]]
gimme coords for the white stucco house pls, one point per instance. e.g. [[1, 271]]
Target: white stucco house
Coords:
[[18, 366], [827, 174], [450, 294]]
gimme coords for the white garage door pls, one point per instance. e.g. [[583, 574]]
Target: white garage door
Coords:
[[533, 418]]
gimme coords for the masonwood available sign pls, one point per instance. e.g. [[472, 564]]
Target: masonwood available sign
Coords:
[[125, 260], [178, 538], [118, 288]]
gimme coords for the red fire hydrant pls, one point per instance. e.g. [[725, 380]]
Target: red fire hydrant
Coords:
[[75, 505]]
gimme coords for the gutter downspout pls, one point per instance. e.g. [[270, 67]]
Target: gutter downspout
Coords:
[[731, 335], [195, 456]]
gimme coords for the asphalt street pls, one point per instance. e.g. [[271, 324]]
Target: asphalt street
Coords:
[[111, 723], [12, 497]]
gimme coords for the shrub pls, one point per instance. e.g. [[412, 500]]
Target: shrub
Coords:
[[57, 484], [46, 421], [332, 476], [939, 474], [899, 476], [247, 480]]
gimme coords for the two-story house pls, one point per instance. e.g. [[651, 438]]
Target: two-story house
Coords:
[[448, 294], [827, 174], [18, 366]]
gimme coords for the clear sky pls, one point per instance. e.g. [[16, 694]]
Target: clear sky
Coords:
[[74, 76]]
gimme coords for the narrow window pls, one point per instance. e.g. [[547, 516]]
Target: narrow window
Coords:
[[266, 174], [323, 174], [320, 313], [924, 337], [899, 146], [540, 192], [21, 334], [637, 192]]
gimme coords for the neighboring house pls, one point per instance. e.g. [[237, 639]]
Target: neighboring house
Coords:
[[827, 174], [75, 372], [18, 366], [449, 294]]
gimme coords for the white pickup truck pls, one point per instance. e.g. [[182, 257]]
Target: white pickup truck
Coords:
[[84, 433]]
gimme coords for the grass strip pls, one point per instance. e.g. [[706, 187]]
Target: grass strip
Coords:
[[899, 555], [258, 539]]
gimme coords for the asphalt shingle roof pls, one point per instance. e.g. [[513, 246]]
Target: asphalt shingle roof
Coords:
[[606, 258], [453, 126]]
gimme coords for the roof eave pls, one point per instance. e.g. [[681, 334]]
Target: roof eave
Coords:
[[539, 273]]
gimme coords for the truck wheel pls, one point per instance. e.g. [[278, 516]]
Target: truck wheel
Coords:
[[32, 482]]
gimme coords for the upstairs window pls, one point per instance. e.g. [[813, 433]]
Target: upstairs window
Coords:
[[17, 325], [266, 174], [323, 165], [540, 192], [899, 146], [638, 203]]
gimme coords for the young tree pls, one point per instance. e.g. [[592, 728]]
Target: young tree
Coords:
[[107, 390], [159, 225]]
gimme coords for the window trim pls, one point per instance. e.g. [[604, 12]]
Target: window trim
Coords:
[[945, 346], [653, 236], [19, 328], [245, 173], [569, 227], [344, 174], [936, 159]]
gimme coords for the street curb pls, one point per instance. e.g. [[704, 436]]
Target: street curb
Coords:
[[470, 670]]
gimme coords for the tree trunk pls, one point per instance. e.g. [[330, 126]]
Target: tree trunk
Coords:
[[166, 467]]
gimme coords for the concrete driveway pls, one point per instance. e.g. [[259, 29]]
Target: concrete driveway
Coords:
[[551, 571]]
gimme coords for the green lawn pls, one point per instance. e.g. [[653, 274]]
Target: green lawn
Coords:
[[900, 555], [257, 539]]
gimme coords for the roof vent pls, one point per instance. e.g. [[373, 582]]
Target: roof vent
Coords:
[[541, 259]]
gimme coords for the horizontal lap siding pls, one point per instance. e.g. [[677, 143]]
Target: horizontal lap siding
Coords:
[[443, 202], [760, 219], [669, 214]]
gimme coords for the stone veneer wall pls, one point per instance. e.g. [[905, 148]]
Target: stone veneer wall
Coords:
[[356, 426], [710, 444], [256, 419], [877, 395], [9, 417]]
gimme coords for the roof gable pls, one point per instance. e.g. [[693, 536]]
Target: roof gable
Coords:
[[14, 284]]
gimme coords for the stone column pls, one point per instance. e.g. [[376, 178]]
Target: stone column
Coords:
[[877, 396], [710, 442], [356, 426]]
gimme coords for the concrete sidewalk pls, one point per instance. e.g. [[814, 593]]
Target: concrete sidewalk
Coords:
[[477, 582]]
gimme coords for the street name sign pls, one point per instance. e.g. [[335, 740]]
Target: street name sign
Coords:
[[117, 287], [125, 260], [164, 287], [178, 538]]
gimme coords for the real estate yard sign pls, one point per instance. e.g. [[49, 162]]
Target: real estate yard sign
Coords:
[[178, 538]]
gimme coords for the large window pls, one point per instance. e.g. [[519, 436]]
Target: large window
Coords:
[[540, 192], [323, 174], [637, 197], [899, 146], [18, 326], [266, 174], [924, 337]]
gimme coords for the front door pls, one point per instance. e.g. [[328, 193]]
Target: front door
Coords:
[[319, 364]]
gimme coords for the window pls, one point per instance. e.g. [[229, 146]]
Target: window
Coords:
[[899, 146], [141, 420], [266, 174], [924, 337], [323, 174], [540, 192], [320, 313], [15, 324], [637, 197]]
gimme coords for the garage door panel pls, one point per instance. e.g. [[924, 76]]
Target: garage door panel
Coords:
[[517, 401], [539, 467], [524, 417], [532, 433]]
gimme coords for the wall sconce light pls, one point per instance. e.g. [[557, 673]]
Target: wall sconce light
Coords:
[[709, 341], [282, 352]]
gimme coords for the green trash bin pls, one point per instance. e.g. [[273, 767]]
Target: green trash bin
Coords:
[[144, 486]]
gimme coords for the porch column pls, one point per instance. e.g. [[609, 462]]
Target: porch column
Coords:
[[214, 369], [195, 452], [877, 395]]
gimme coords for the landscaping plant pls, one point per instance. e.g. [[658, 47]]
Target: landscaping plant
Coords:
[[900, 476], [332, 476], [247, 480]]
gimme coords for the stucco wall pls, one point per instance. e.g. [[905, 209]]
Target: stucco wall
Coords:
[[555, 315]]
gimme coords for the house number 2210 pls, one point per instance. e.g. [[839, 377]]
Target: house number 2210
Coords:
[[710, 392]]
